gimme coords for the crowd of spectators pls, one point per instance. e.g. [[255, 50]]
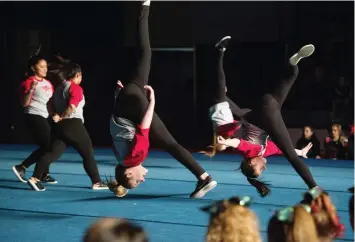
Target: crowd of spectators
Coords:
[[314, 219]]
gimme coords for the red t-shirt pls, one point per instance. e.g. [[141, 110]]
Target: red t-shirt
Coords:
[[250, 150], [139, 149], [227, 130]]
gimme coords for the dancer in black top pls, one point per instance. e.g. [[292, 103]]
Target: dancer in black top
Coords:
[[131, 106], [264, 120]]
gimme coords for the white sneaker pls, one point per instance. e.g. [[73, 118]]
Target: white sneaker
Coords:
[[305, 51], [99, 186], [223, 43]]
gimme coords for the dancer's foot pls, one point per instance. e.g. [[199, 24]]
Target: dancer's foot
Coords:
[[49, 179], [146, 3], [99, 186], [20, 171], [305, 51], [223, 43], [203, 187], [35, 184]]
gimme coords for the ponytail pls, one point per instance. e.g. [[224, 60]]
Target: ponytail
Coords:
[[213, 146], [261, 187], [63, 69], [33, 59], [116, 188]]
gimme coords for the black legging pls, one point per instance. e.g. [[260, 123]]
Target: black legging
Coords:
[[267, 116], [40, 129], [220, 89], [70, 132], [132, 102]]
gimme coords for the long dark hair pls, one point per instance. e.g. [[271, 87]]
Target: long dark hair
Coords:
[[63, 69], [261, 187], [33, 59]]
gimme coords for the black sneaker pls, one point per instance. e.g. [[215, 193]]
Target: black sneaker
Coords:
[[48, 179], [20, 171], [203, 187], [223, 43], [37, 186]]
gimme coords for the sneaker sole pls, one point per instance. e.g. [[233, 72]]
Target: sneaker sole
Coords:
[[304, 52], [205, 190], [99, 188], [34, 187], [223, 39], [18, 175], [55, 182]]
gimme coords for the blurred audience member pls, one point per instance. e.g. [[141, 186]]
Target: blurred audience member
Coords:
[[113, 230], [335, 145], [293, 224], [351, 208], [351, 143], [341, 101], [309, 136], [325, 215], [232, 221]]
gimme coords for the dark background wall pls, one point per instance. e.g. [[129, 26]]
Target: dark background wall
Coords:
[[99, 36]]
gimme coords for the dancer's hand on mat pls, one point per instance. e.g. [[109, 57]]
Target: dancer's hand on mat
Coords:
[[151, 93], [56, 118], [305, 150], [119, 84], [34, 85]]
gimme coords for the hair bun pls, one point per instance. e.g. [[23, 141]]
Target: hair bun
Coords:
[[120, 191]]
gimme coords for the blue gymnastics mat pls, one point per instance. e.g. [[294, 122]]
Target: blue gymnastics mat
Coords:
[[161, 204]]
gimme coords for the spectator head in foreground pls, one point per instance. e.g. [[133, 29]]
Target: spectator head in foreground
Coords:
[[351, 208], [114, 230], [293, 224], [232, 221], [324, 214]]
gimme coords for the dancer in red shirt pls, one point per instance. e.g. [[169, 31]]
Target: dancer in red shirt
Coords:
[[254, 153], [36, 94], [130, 126], [264, 120]]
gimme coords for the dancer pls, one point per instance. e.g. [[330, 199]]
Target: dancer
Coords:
[[36, 93], [255, 152], [264, 120], [130, 125], [69, 129]]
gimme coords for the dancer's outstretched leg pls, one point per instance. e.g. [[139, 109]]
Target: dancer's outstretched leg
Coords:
[[268, 117], [141, 73]]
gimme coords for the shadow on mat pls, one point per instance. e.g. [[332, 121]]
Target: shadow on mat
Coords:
[[33, 215], [17, 188], [129, 196], [47, 184]]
